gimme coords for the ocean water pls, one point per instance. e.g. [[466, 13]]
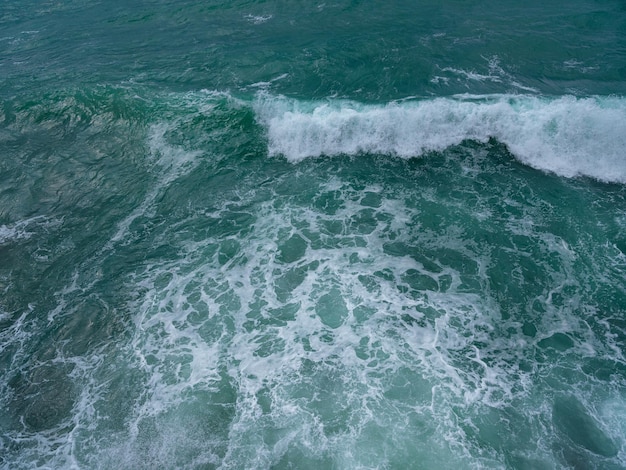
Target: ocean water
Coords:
[[312, 235]]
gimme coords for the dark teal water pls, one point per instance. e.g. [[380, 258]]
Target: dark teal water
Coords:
[[312, 235]]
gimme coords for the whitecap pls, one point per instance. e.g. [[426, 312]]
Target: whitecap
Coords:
[[568, 136]]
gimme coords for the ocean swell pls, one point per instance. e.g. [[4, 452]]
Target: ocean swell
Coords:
[[567, 135]]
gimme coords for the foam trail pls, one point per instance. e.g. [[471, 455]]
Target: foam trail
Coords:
[[21, 230], [568, 136], [171, 160]]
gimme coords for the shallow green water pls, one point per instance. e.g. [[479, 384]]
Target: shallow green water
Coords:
[[292, 235]]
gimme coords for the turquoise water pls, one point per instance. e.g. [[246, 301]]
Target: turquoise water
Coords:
[[312, 235]]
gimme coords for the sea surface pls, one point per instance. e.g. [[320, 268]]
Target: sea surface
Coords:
[[312, 235]]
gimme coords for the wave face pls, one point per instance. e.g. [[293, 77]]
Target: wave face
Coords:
[[568, 136]]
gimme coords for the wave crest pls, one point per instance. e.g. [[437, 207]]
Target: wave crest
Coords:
[[569, 136]]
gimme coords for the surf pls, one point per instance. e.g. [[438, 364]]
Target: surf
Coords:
[[566, 135]]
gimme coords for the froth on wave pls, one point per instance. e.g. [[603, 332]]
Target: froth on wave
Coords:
[[569, 136]]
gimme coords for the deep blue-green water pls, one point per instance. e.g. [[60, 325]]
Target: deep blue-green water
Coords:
[[312, 235]]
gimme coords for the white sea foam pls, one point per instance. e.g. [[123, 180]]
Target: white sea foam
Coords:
[[258, 19], [496, 74], [24, 229], [10, 233], [172, 162], [330, 326], [266, 85], [388, 372], [568, 136]]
